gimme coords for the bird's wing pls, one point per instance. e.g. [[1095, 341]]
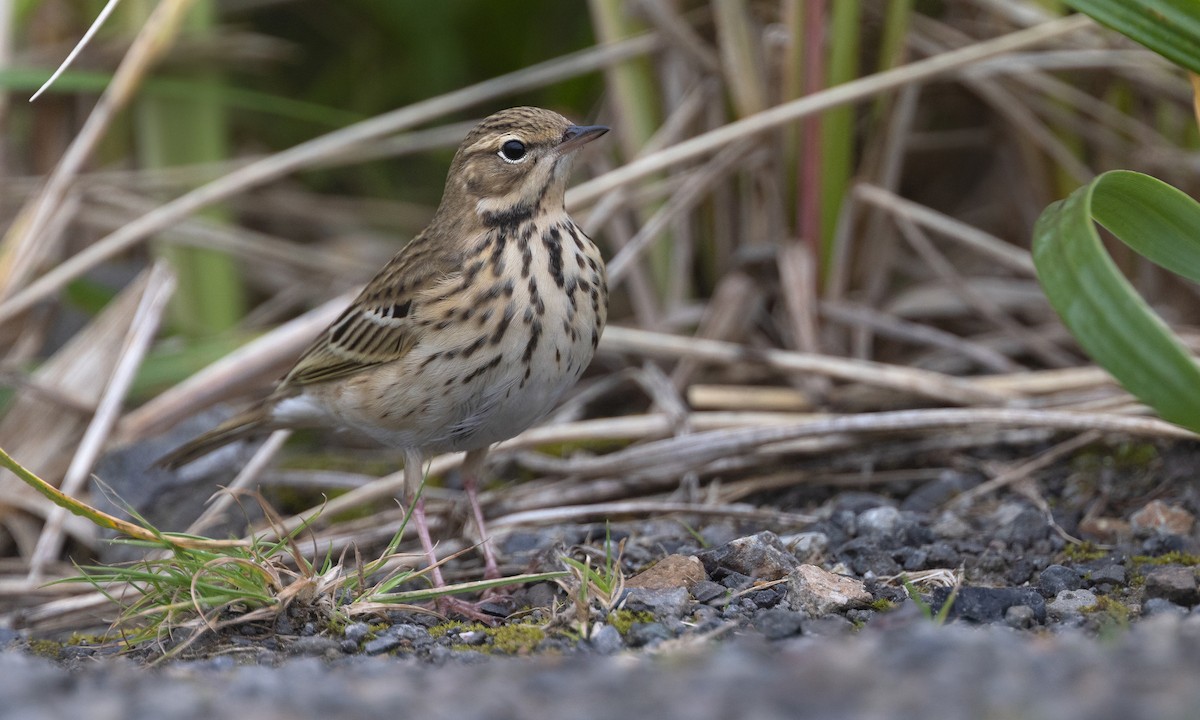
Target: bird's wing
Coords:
[[379, 326]]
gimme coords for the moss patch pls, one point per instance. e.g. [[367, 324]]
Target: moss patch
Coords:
[[623, 619], [1174, 557], [518, 639], [49, 649], [1083, 552], [881, 605]]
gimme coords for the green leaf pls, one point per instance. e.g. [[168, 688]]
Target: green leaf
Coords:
[[1170, 28], [1099, 306]]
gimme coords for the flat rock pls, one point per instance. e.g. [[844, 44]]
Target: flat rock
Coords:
[[1056, 578], [761, 556], [1071, 602], [820, 592], [664, 602], [1113, 574], [1177, 584], [988, 605], [673, 571], [1163, 517]]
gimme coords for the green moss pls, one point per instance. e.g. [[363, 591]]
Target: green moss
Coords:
[[1126, 456], [882, 605], [515, 639], [624, 619], [1107, 605], [50, 649], [521, 638], [1111, 615], [438, 631], [1174, 557], [86, 639], [1135, 455], [1083, 552]]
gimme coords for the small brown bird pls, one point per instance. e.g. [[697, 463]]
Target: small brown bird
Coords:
[[472, 332]]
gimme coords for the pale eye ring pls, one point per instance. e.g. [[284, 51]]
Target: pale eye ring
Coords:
[[512, 151]]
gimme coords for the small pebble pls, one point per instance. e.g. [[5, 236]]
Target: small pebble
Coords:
[[1070, 603], [879, 521], [761, 556], [1020, 617], [356, 632], [473, 637], [1177, 584], [381, 644], [777, 623], [1112, 574], [1056, 578], [669, 603], [606, 640], [707, 591], [643, 634]]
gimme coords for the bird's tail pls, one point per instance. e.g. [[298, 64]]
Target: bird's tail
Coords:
[[254, 421]]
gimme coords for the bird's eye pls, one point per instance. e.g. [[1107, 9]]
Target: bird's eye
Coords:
[[512, 151]]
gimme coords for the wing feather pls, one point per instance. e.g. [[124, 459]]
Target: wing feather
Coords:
[[379, 326]]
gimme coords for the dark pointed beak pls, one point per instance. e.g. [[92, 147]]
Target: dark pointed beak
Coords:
[[576, 136]]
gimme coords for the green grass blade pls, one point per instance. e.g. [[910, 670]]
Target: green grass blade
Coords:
[[1100, 307], [1170, 28]]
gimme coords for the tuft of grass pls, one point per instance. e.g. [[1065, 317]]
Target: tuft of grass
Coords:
[[943, 612], [595, 591], [192, 585]]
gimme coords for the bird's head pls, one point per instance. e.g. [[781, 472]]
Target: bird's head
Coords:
[[515, 164]]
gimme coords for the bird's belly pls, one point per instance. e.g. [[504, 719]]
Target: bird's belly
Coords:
[[441, 404]]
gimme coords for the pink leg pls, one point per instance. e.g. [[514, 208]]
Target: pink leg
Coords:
[[427, 543], [446, 604], [471, 467]]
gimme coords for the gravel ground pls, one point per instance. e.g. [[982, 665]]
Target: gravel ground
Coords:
[[909, 669], [725, 618]]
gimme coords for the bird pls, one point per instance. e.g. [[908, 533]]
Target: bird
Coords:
[[471, 333]]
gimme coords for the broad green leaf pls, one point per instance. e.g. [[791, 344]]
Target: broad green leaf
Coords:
[[1099, 306], [1170, 28]]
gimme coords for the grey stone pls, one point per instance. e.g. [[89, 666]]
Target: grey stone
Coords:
[[606, 640], [987, 605], [381, 644], [761, 556], [878, 521], [1020, 524], [819, 592], [409, 632], [8, 636], [1020, 617], [672, 602], [777, 623], [1158, 606], [1113, 574], [1177, 584], [319, 645], [642, 634], [1070, 603], [707, 591], [828, 625], [356, 632], [807, 546], [1056, 578]]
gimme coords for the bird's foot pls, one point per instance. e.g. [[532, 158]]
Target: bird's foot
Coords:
[[485, 610]]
